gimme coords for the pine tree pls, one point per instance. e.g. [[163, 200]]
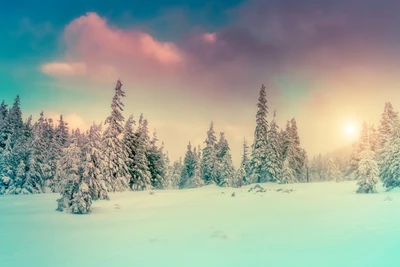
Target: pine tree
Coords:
[[389, 165], [225, 170], [274, 152], [388, 122], [129, 142], [258, 161], [245, 163], [141, 176], [176, 173], [93, 165], [289, 154], [332, 171], [367, 172], [75, 197], [240, 177], [287, 173], [209, 159], [368, 138], [3, 125], [299, 160], [157, 168], [189, 167], [116, 170]]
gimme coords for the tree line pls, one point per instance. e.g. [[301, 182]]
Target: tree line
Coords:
[[45, 156]]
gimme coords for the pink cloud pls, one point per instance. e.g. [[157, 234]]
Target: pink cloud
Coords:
[[210, 37]]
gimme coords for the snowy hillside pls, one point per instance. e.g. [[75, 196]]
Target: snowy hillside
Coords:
[[318, 224]]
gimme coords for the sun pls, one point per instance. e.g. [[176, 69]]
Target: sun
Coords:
[[350, 129]]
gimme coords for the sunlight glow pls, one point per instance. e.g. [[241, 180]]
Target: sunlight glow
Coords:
[[350, 129]]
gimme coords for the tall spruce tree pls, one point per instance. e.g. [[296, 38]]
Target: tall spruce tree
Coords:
[[116, 170], [258, 163], [389, 165], [209, 159], [245, 164], [189, 167], [74, 193], [225, 169], [141, 175], [274, 157], [93, 165], [389, 120], [157, 168], [367, 172]]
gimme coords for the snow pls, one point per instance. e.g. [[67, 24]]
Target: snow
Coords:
[[318, 224]]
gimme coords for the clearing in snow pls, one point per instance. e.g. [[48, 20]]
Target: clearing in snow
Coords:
[[317, 224]]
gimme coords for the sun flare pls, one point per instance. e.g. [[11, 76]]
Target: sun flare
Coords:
[[350, 129]]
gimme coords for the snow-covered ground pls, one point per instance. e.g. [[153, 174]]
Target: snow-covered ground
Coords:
[[319, 224]]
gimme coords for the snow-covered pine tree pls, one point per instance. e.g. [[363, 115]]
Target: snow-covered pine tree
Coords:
[[225, 169], [157, 168], [245, 163], [209, 159], [195, 181], [367, 172], [299, 161], [6, 171], [189, 167], [274, 157], [3, 125], [141, 176], [93, 165], [288, 176], [318, 169], [116, 170], [129, 142], [389, 120], [389, 164], [176, 173], [240, 177], [75, 196], [167, 181], [61, 135], [258, 162], [332, 171], [289, 152], [368, 138]]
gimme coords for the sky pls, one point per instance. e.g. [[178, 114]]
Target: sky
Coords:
[[183, 64]]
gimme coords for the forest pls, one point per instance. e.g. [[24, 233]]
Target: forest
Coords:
[[120, 155]]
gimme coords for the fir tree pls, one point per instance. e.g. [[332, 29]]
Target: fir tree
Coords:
[[332, 171], [258, 163], [245, 163], [130, 141], [141, 176], [116, 170], [93, 165], [388, 122], [287, 173], [209, 159], [274, 156], [75, 197], [189, 167], [4, 127], [367, 172], [225, 170], [389, 165], [157, 168]]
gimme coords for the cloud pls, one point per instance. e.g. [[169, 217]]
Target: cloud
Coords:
[[62, 69]]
